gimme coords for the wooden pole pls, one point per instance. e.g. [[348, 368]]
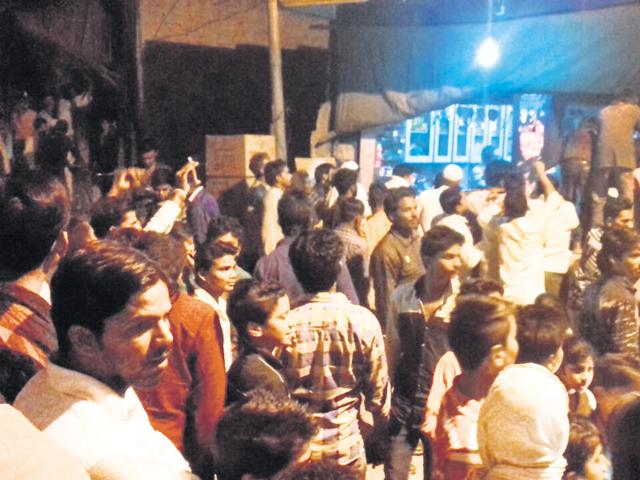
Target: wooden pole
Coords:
[[278, 126]]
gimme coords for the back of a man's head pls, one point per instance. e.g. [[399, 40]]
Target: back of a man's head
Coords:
[[107, 213], [167, 251], [350, 209], [541, 333], [34, 210], [450, 199], [294, 213], [272, 170], [477, 324], [262, 435], [95, 283], [315, 257], [345, 180], [402, 170]]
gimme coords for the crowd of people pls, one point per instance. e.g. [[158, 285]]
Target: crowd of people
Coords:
[[297, 327]]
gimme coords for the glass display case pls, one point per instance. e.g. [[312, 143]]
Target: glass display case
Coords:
[[456, 134]]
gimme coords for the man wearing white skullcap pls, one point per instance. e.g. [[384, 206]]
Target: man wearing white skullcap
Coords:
[[429, 200]]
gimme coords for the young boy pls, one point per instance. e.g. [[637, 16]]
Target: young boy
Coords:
[[523, 427], [258, 310], [482, 335], [448, 367], [576, 373]]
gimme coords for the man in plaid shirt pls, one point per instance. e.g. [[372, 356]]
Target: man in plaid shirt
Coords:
[[34, 211], [336, 355]]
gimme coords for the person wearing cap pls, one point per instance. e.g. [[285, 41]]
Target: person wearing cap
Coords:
[[429, 200]]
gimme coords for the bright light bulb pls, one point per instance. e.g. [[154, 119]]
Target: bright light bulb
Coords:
[[488, 53]]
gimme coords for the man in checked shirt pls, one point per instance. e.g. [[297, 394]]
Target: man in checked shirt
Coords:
[[336, 355]]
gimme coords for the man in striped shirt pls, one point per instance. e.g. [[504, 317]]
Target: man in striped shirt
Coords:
[[336, 355]]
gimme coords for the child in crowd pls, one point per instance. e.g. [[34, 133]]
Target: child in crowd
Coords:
[[523, 427], [258, 311], [584, 454], [482, 335], [448, 368], [576, 373]]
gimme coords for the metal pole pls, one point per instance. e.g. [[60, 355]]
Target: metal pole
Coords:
[[277, 95]]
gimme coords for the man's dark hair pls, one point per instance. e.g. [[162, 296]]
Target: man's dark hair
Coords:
[[394, 197], [168, 252], [95, 283], [162, 175], [402, 170], [577, 351], [345, 180], [315, 257], [377, 194], [541, 332], [34, 210], [294, 213], [584, 441], [108, 212], [481, 286], [148, 145], [477, 324], [211, 250], [318, 470], [257, 162], [350, 209], [615, 205], [261, 435], [252, 301], [616, 242], [438, 239], [450, 199], [322, 170], [222, 225], [15, 371], [515, 199], [272, 170]]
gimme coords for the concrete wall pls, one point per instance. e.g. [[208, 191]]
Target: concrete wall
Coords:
[[206, 72]]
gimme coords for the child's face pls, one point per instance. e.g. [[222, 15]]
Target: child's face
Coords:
[[577, 376], [597, 467]]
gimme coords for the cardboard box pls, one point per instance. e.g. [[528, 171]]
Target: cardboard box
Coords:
[[229, 155], [309, 164]]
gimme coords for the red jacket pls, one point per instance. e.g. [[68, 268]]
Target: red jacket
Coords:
[[188, 402]]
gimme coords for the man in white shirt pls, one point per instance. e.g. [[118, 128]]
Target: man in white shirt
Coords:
[[109, 307], [278, 177], [516, 230], [557, 242], [429, 200], [216, 275], [453, 203]]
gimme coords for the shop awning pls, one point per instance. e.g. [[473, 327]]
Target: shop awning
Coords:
[[383, 74]]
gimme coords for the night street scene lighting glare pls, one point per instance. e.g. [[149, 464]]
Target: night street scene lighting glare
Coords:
[[488, 53]]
